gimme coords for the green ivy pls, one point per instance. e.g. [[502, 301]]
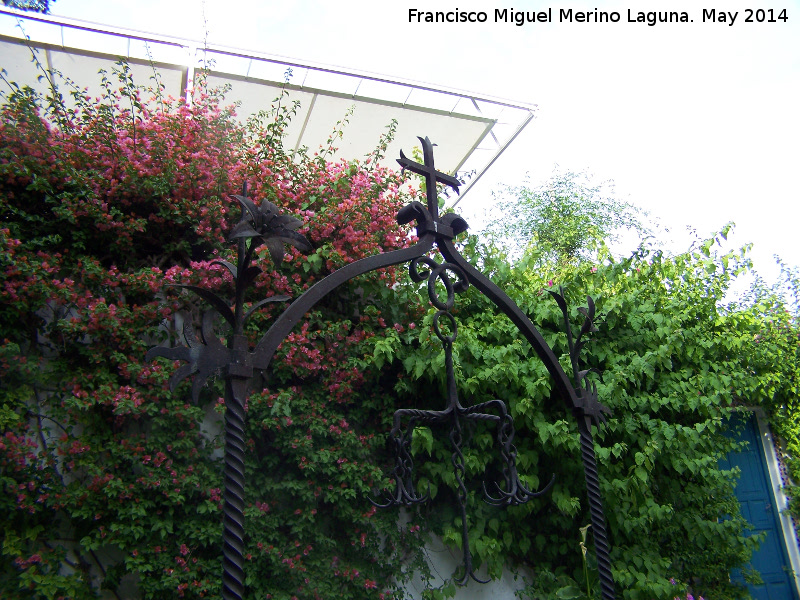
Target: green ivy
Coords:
[[675, 359]]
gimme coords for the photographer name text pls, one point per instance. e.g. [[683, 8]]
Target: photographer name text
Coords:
[[569, 15]]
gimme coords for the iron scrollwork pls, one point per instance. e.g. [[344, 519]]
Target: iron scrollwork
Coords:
[[208, 355], [513, 490]]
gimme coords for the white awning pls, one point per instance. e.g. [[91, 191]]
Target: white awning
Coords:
[[470, 131]]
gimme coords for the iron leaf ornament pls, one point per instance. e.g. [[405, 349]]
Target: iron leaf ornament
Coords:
[[207, 356], [204, 358], [265, 223], [589, 405]]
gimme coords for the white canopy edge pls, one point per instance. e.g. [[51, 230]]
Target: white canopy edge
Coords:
[[471, 131]]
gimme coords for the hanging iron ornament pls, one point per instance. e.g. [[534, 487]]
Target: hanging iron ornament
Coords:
[[515, 491], [264, 224]]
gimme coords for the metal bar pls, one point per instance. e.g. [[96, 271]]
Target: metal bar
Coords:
[[96, 27], [273, 58], [601, 545], [477, 178], [523, 323], [289, 318], [305, 122]]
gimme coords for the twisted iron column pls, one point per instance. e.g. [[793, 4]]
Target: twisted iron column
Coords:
[[233, 508], [601, 545]]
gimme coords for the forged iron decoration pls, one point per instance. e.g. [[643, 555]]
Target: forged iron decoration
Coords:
[[260, 224], [204, 357], [515, 491]]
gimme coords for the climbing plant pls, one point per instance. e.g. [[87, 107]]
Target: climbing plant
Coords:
[[674, 359], [772, 313], [566, 217], [110, 481]]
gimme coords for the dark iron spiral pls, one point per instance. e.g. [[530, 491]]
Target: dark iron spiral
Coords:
[[601, 544], [404, 493], [515, 491], [233, 519]]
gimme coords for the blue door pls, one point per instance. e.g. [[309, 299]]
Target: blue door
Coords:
[[754, 493]]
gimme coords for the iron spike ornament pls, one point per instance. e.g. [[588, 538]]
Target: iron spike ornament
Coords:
[[238, 364], [587, 411]]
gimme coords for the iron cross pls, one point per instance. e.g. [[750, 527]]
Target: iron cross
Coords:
[[431, 175]]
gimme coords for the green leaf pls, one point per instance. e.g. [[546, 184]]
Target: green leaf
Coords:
[[422, 440], [569, 593]]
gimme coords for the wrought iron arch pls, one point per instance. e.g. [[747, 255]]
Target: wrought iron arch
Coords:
[[209, 355]]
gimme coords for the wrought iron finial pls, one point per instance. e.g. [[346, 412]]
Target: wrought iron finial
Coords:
[[267, 224], [588, 405], [260, 224], [429, 172], [206, 357]]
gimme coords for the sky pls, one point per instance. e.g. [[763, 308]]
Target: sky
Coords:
[[697, 123]]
